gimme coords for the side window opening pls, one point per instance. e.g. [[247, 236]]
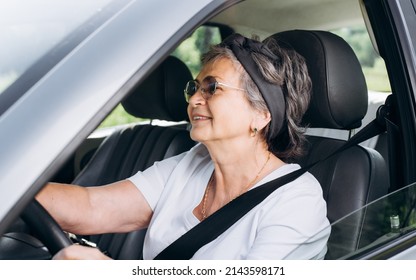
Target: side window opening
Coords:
[[189, 51], [373, 65]]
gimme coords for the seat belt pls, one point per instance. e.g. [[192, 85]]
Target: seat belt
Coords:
[[214, 225]]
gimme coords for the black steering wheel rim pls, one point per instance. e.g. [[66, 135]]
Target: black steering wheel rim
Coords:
[[45, 227]]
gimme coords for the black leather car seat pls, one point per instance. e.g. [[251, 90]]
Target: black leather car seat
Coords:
[[358, 175], [137, 147]]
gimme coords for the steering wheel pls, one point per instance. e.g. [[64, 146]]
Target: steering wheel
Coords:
[[45, 227]]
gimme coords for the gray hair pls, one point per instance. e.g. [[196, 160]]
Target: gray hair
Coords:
[[291, 74]]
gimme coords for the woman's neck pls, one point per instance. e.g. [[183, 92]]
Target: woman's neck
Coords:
[[238, 167]]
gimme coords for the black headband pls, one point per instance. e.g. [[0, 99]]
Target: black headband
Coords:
[[242, 48]]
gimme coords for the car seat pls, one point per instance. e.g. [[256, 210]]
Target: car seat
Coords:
[[136, 147], [357, 176]]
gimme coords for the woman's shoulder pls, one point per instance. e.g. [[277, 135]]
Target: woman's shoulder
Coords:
[[299, 204], [291, 167], [304, 183]]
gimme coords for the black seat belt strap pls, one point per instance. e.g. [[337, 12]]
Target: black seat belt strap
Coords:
[[209, 229], [217, 223]]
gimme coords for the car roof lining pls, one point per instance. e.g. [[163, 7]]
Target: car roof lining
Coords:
[[289, 15]]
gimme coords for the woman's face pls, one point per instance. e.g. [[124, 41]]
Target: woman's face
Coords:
[[226, 115]]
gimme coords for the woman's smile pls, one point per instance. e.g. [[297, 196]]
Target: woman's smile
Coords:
[[200, 118]]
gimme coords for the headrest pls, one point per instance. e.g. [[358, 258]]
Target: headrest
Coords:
[[339, 91], [160, 96]]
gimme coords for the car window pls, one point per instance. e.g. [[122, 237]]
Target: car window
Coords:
[[378, 223], [373, 65], [381, 222], [189, 51]]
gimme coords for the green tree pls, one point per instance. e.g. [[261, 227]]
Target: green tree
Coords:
[[373, 65], [358, 39], [191, 49]]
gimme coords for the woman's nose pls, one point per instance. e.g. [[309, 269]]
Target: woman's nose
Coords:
[[197, 98]]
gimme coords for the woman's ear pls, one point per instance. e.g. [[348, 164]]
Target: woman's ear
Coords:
[[262, 119]]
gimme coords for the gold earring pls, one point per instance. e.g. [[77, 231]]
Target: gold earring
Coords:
[[254, 132]]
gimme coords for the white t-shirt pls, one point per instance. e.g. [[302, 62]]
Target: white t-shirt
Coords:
[[289, 218]]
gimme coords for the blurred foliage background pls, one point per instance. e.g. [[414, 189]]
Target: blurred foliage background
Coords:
[[373, 65]]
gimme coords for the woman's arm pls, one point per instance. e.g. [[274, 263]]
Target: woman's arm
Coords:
[[117, 207]]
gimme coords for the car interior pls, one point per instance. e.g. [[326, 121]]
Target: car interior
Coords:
[[137, 147], [357, 175], [349, 180]]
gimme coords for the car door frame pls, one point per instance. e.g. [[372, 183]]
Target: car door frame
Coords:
[[391, 23], [33, 153]]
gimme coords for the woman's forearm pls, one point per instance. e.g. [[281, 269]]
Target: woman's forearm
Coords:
[[69, 205]]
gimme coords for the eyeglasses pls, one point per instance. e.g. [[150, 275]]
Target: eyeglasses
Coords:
[[208, 87]]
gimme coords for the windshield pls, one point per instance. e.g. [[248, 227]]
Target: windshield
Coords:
[[29, 29], [374, 225]]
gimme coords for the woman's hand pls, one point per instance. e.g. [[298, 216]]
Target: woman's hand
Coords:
[[78, 252]]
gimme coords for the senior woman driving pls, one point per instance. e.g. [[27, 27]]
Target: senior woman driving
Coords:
[[245, 108]]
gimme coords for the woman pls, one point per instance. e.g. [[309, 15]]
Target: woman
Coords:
[[245, 107]]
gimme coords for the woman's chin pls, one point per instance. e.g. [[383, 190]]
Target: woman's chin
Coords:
[[198, 136]]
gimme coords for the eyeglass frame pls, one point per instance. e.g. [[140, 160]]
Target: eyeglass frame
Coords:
[[204, 92]]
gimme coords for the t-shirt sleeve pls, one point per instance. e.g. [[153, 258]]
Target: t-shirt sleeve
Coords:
[[297, 227], [152, 181]]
